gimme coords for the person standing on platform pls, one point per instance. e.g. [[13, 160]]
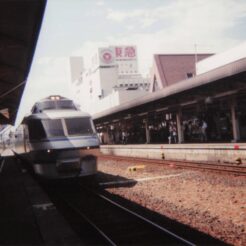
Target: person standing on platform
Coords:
[[204, 131], [170, 136], [123, 137], [174, 134]]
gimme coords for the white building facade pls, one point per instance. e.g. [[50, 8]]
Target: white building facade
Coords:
[[112, 79]]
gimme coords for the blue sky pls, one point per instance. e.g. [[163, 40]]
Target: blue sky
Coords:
[[78, 27]]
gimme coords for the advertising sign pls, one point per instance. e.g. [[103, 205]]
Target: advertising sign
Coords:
[[125, 53], [111, 55], [107, 57]]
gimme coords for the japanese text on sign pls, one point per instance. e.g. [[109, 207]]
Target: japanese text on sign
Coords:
[[125, 52]]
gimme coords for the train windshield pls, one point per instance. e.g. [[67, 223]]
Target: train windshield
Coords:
[[79, 126], [40, 129], [53, 128]]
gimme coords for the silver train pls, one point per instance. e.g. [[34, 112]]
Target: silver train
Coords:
[[58, 140]]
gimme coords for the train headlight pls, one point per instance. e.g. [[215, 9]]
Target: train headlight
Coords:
[[55, 98], [48, 150]]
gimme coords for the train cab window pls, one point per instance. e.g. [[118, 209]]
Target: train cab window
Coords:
[[36, 130], [79, 126], [53, 128]]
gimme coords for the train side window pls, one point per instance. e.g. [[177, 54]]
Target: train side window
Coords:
[[79, 126], [36, 130]]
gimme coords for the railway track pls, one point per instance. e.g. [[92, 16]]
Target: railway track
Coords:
[[225, 168], [112, 223]]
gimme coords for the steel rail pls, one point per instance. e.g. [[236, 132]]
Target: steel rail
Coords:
[[84, 217], [142, 218], [239, 170]]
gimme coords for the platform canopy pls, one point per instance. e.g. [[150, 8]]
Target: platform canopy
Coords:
[[20, 22], [225, 80]]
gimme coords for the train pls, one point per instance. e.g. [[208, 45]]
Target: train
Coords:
[[58, 140]]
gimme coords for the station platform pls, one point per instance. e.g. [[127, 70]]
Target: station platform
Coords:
[[231, 153], [27, 215]]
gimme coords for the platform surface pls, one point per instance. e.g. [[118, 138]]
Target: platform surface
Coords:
[[27, 216], [201, 152]]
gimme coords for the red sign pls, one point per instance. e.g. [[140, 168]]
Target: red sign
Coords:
[[107, 56], [125, 52]]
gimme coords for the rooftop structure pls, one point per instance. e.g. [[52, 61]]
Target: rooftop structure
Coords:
[[169, 69]]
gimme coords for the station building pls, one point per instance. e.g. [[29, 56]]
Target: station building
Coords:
[[214, 92], [112, 79]]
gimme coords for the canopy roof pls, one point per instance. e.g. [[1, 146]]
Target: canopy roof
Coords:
[[20, 23]]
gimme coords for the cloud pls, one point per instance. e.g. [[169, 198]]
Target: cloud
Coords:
[[100, 3], [179, 11], [88, 49], [48, 76]]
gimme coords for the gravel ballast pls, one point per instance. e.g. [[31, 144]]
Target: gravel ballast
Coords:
[[210, 202]]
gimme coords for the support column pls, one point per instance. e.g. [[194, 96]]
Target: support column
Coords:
[[235, 128], [179, 126], [147, 134]]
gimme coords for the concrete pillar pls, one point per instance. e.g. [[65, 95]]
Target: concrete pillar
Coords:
[[179, 126], [147, 132], [235, 127]]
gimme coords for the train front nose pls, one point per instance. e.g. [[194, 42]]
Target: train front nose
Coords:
[[68, 163], [68, 166]]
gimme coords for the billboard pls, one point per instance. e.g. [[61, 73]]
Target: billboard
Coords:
[[109, 56]]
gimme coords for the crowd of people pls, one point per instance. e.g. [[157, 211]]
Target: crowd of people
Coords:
[[194, 130]]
